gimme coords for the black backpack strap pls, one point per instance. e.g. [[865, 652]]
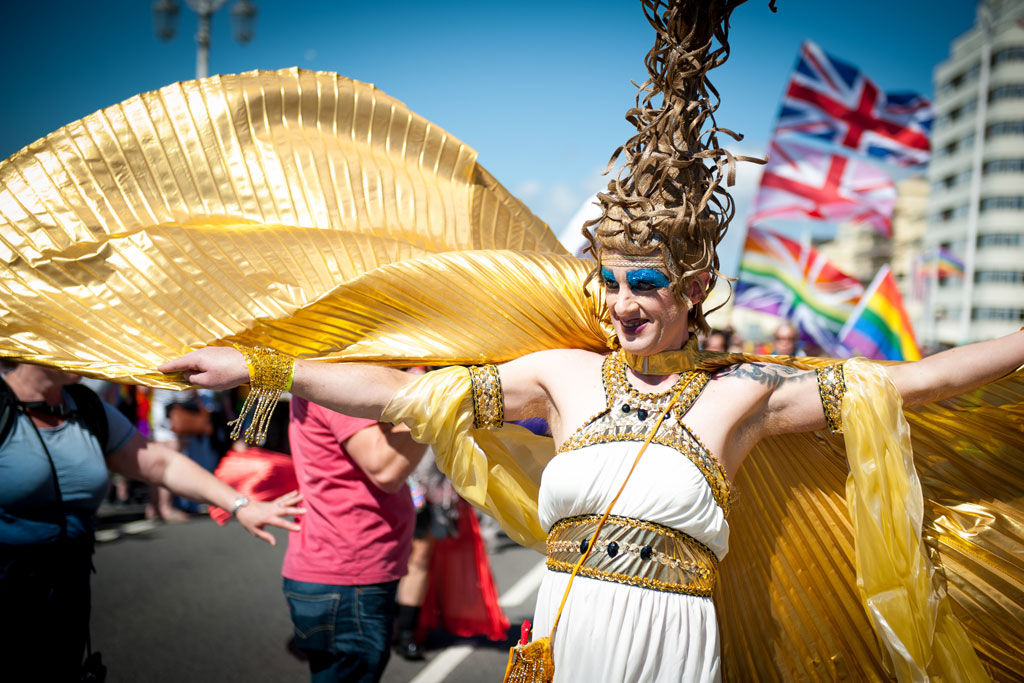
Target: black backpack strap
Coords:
[[89, 407], [8, 410]]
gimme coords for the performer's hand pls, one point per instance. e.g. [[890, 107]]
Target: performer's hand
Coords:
[[215, 367], [257, 515]]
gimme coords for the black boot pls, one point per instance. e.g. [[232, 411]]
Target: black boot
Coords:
[[405, 639]]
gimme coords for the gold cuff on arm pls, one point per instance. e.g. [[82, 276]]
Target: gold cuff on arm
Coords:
[[832, 388], [488, 401], [270, 373]]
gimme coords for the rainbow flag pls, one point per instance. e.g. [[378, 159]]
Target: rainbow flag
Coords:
[[879, 327], [791, 280], [948, 264]]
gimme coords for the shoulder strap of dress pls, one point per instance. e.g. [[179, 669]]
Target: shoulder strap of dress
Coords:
[[609, 378], [695, 383]]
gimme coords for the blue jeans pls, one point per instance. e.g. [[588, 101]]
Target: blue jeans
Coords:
[[344, 630]]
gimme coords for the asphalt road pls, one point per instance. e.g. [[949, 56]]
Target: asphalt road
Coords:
[[198, 602]]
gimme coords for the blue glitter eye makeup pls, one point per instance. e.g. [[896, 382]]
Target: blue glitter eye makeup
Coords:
[[646, 279], [608, 278]]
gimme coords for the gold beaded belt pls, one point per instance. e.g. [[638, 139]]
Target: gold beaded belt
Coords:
[[634, 552]]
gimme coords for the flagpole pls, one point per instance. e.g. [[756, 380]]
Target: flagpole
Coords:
[[932, 271], [974, 202], [862, 304], [927, 322]]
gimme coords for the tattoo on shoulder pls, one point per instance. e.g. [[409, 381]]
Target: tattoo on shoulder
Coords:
[[768, 374]]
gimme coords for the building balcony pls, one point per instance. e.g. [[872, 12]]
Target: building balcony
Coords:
[[943, 166], [954, 131], [1005, 220], [1000, 258], [998, 294], [1002, 146], [1009, 184], [991, 329], [944, 199], [1009, 109]]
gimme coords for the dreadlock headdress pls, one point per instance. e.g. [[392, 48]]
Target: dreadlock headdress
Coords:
[[667, 198]]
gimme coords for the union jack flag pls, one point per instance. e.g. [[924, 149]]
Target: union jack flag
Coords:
[[806, 182], [834, 102]]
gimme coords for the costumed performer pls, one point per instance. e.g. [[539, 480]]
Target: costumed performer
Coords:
[[623, 621], [323, 219], [641, 609]]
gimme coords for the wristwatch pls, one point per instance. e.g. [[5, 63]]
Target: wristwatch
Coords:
[[240, 503]]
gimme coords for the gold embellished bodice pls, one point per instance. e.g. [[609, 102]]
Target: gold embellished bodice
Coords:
[[629, 415]]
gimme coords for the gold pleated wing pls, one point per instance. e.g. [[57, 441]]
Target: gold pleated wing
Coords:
[[317, 215], [803, 585], [299, 210]]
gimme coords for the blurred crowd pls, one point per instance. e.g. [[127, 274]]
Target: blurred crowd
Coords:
[[449, 540], [786, 340]]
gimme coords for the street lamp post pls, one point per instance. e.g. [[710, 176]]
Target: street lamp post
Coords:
[[166, 14]]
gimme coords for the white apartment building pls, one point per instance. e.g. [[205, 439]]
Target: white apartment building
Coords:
[[976, 176]]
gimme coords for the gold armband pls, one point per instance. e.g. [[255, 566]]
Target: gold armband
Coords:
[[488, 401], [270, 373], [832, 388]]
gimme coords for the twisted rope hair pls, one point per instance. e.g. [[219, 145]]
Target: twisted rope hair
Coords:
[[668, 195]]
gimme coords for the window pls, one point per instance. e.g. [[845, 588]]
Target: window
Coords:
[[1005, 128], [1001, 240], [1008, 314], [1006, 277], [1008, 54], [1003, 92], [950, 214], [1002, 204], [961, 79], [1003, 166], [960, 112], [951, 181]]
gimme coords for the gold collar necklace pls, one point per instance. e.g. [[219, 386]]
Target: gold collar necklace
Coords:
[[666, 362]]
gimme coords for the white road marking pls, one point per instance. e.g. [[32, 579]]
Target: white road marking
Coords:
[[138, 526], [107, 535], [523, 588], [448, 660], [443, 664]]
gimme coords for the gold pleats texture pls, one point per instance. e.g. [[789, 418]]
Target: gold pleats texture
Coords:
[[788, 602], [317, 215], [250, 208]]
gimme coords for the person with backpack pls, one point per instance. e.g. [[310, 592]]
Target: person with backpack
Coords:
[[57, 441]]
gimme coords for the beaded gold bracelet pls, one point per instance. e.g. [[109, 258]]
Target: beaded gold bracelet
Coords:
[[488, 401], [270, 373], [832, 388]]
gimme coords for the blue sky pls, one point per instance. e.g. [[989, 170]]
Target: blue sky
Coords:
[[538, 88]]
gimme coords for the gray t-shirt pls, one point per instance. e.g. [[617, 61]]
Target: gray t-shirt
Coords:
[[28, 504]]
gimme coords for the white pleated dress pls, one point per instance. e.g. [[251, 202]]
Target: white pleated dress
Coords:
[[617, 633]]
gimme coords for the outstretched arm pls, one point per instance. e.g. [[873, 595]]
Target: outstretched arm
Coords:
[[958, 369], [156, 463], [793, 403], [349, 388]]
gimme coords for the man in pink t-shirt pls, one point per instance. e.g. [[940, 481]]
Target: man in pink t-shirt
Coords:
[[342, 567]]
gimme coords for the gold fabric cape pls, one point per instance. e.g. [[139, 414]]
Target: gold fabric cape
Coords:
[[317, 215]]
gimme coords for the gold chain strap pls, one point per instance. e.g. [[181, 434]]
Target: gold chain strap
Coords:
[[604, 518]]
